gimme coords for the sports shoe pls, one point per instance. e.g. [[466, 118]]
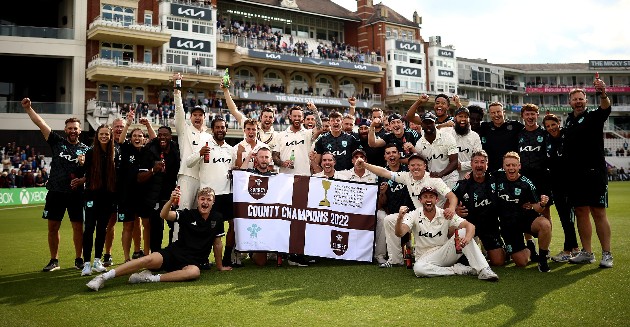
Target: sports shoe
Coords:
[[137, 255], [561, 257], [388, 264], [107, 260], [52, 265], [297, 261], [533, 255], [583, 257], [488, 274], [141, 277], [607, 260], [205, 265], [380, 259], [78, 263], [96, 283], [460, 269], [98, 266], [543, 266], [87, 269]]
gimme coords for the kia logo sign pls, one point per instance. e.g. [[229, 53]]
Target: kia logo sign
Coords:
[[273, 56], [408, 71], [189, 44], [191, 12], [445, 73], [445, 53], [408, 46]]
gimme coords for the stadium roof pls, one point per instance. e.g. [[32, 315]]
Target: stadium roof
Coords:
[[315, 7]]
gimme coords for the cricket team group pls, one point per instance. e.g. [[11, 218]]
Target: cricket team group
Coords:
[[467, 193]]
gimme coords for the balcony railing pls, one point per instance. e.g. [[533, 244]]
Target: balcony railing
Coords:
[[98, 21], [97, 61], [128, 64], [39, 107], [202, 4], [32, 31]]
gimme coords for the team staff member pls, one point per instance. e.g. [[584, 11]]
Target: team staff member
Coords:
[[200, 232], [498, 136], [217, 174], [520, 211], [118, 125], [557, 168], [435, 252], [338, 143], [157, 176], [479, 206], [100, 186], [588, 190], [65, 188], [130, 155]]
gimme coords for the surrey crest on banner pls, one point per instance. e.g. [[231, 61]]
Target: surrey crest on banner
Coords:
[[258, 186], [339, 242]]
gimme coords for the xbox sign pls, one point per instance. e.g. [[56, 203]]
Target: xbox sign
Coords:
[[17, 196]]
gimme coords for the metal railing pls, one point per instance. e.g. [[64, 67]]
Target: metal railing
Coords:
[[98, 21], [39, 107], [41, 32], [130, 64]]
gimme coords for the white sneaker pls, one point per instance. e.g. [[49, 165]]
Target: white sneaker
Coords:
[[488, 274], [607, 260], [583, 257], [87, 269], [96, 283], [562, 257], [98, 266], [141, 277], [460, 269]]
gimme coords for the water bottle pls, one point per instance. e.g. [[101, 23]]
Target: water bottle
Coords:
[[226, 79], [163, 162], [175, 203], [292, 158]]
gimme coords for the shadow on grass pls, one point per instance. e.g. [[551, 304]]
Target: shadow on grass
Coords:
[[64, 285], [519, 289]]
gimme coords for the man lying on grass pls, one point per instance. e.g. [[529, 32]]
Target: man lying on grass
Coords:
[[200, 231]]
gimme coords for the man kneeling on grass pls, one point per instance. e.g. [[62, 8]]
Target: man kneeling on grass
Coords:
[[435, 254], [200, 231]]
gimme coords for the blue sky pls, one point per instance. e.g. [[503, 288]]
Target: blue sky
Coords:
[[523, 32]]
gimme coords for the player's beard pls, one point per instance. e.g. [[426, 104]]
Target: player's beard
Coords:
[[462, 130]]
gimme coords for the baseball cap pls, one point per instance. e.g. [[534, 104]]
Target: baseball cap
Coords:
[[393, 117], [197, 108], [429, 189], [462, 110], [364, 122], [428, 116], [417, 156], [359, 151]]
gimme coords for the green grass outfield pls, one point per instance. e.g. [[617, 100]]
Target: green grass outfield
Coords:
[[330, 293]]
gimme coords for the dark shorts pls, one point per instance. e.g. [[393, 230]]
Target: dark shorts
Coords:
[[58, 202], [147, 211], [126, 214], [491, 241], [224, 204], [512, 233], [588, 188], [174, 259]]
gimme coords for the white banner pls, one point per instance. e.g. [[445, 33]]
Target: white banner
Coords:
[[304, 215]]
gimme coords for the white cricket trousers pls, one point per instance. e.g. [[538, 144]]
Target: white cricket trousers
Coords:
[[440, 262]]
